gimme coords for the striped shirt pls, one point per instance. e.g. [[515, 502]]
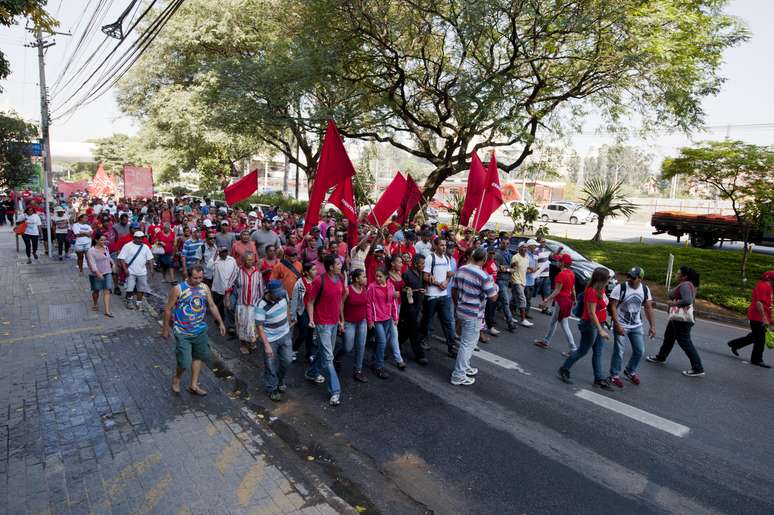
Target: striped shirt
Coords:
[[543, 253], [474, 286], [273, 317], [249, 286], [192, 252]]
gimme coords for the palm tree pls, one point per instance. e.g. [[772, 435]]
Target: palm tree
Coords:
[[456, 200], [605, 199]]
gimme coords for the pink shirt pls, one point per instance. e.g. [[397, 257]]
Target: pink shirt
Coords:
[[381, 303]]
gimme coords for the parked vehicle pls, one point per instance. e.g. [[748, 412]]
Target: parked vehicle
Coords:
[[705, 231], [569, 212], [582, 267]]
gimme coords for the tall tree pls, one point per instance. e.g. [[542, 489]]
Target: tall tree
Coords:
[[15, 159], [626, 163], [605, 199], [740, 173], [11, 10]]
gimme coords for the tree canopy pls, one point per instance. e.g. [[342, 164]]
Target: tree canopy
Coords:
[[34, 10], [438, 79], [15, 159]]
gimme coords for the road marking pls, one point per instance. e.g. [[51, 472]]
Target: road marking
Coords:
[[637, 414], [53, 333], [155, 494], [499, 361], [247, 487]]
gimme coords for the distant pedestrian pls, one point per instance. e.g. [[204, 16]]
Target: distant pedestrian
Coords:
[[61, 223], [31, 232], [382, 318], [100, 273], [759, 315], [136, 259], [413, 295], [356, 321], [298, 314], [223, 268], [519, 265], [563, 298], [271, 320], [680, 322], [503, 260], [543, 272], [472, 287], [248, 285], [626, 302], [593, 334], [83, 232], [437, 275], [185, 311]]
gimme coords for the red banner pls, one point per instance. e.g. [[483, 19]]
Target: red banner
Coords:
[[389, 201], [409, 201], [343, 197], [138, 182], [102, 185], [242, 188], [476, 184], [493, 197], [68, 188]]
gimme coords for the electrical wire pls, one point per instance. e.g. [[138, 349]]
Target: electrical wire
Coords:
[[81, 40]]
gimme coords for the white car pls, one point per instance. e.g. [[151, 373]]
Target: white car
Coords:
[[568, 212]]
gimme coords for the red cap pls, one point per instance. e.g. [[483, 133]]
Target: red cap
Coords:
[[768, 276], [566, 259], [290, 251]]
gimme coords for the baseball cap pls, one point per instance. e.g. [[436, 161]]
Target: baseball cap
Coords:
[[138, 234], [566, 259], [60, 209], [379, 248], [208, 223], [222, 248], [275, 287], [224, 222], [635, 272], [768, 276], [290, 251], [532, 243], [522, 244], [134, 225], [253, 214]]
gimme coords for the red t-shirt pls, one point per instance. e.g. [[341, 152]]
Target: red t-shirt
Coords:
[[600, 299], [356, 306], [372, 265], [490, 267], [167, 239], [567, 279], [761, 293], [266, 269], [327, 309], [407, 248]]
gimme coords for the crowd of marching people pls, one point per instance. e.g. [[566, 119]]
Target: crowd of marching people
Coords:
[[320, 294]]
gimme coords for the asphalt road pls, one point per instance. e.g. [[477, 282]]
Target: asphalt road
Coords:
[[521, 441]]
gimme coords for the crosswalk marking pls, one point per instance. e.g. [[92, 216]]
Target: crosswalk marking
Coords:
[[500, 361], [637, 414]]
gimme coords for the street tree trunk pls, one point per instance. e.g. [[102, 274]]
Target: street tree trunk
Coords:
[[285, 175], [600, 224]]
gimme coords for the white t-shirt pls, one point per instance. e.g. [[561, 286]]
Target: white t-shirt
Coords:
[[79, 228], [138, 265], [630, 306], [439, 272], [424, 248], [97, 209], [33, 224]]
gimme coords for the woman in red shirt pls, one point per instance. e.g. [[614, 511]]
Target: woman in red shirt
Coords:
[[759, 315], [563, 297], [382, 317], [356, 322], [167, 238], [490, 267], [593, 334]]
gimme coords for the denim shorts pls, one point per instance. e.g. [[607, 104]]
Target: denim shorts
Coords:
[[97, 284]]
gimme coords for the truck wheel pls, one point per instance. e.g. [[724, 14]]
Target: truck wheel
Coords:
[[703, 241]]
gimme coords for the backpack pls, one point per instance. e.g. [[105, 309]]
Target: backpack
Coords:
[[622, 295]]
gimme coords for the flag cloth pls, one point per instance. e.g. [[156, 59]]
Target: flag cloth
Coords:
[[66, 188], [333, 168], [138, 182], [102, 185], [242, 188], [389, 201], [343, 197], [493, 196], [476, 180], [409, 201]]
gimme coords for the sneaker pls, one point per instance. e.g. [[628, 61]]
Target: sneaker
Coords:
[[511, 327], [463, 382], [760, 364], [129, 304], [603, 384], [401, 365], [471, 371], [653, 358], [294, 357], [335, 400], [566, 353], [692, 373], [564, 375], [616, 381], [117, 291], [493, 331], [35, 256], [359, 376], [282, 388], [319, 379], [381, 373], [632, 376], [526, 323], [734, 351], [275, 396], [541, 343]]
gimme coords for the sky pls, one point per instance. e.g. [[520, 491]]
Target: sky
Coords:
[[742, 110]]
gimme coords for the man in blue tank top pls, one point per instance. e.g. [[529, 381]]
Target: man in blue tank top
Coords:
[[185, 311]]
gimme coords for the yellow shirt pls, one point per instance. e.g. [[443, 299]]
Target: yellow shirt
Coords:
[[519, 265]]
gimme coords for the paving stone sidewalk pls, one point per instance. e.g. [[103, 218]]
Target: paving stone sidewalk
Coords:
[[88, 423]]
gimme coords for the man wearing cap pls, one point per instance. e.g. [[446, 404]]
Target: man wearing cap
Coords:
[[192, 251], [374, 261], [265, 236], [503, 261], [543, 272], [136, 259], [626, 302], [224, 237], [61, 225], [223, 268], [424, 245], [519, 265], [563, 297], [271, 320], [288, 270], [759, 315], [437, 275], [209, 255]]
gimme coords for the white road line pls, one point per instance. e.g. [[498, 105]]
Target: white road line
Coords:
[[499, 361], [637, 414]]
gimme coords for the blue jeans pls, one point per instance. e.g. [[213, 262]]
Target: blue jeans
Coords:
[[638, 349], [504, 300], [276, 366], [355, 337], [469, 331], [565, 323], [590, 338], [383, 331], [442, 306], [323, 363]]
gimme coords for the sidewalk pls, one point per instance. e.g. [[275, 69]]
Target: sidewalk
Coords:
[[88, 423]]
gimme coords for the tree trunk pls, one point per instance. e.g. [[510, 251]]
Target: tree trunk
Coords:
[[745, 256], [600, 224], [285, 175]]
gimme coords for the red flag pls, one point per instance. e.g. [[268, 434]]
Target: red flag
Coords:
[[68, 188], [343, 197], [476, 183], [389, 201], [242, 188], [493, 197], [409, 201], [138, 182], [333, 168], [102, 185]]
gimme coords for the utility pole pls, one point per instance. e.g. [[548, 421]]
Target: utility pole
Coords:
[[44, 123]]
